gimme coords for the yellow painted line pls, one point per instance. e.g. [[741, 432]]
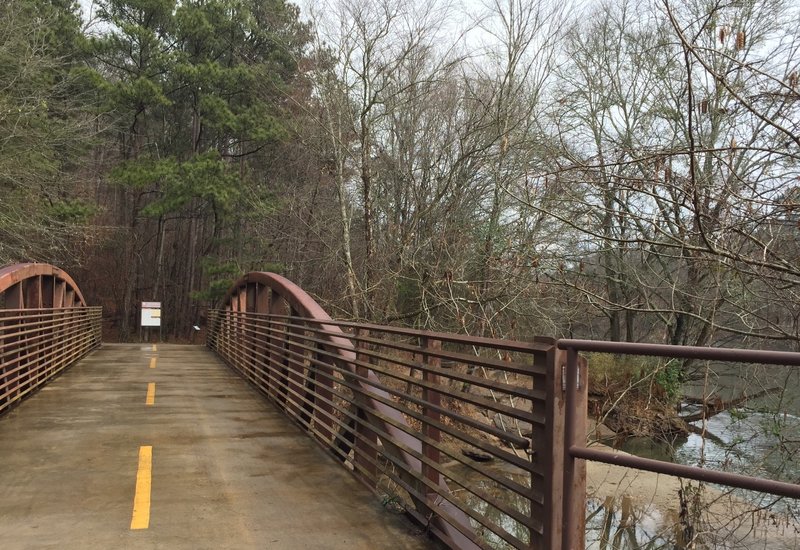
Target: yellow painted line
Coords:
[[152, 362], [155, 348], [141, 500], [151, 393]]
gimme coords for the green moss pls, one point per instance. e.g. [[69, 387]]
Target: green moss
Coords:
[[644, 376]]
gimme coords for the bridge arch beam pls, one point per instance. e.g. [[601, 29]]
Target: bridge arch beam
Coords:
[[46, 327], [269, 293], [38, 286]]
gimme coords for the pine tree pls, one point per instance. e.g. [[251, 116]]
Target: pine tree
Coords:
[[198, 88]]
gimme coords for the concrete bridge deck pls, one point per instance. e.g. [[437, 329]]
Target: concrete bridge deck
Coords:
[[226, 471]]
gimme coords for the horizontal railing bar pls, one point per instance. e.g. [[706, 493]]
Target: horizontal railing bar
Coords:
[[32, 379], [469, 440], [514, 412], [444, 391], [37, 345], [24, 370], [453, 455], [291, 368], [519, 441], [46, 309], [500, 453], [518, 489], [780, 488], [475, 360], [509, 484], [517, 413], [504, 508], [41, 346], [685, 352], [417, 455], [504, 455], [505, 345], [39, 326], [27, 320], [451, 374]]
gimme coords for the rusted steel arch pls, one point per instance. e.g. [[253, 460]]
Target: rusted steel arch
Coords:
[[264, 292], [38, 286]]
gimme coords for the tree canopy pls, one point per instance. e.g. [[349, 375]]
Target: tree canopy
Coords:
[[627, 173]]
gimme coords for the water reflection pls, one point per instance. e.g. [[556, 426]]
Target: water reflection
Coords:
[[752, 441], [492, 514], [710, 519], [616, 523], [612, 523], [743, 441]]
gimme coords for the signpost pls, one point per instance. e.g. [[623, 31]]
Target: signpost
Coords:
[[151, 316]]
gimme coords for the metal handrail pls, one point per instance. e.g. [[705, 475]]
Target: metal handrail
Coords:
[[330, 376], [575, 449], [38, 344]]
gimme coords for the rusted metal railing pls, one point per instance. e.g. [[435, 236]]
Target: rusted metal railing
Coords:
[[576, 452], [37, 344], [45, 326], [412, 414]]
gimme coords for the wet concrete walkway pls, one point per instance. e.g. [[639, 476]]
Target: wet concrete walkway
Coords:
[[227, 471]]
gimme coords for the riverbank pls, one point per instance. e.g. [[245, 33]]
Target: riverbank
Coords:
[[649, 504]]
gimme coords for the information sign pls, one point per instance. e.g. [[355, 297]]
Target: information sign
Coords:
[[151, 314]]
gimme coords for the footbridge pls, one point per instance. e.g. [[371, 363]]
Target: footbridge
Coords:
[[293, 430]]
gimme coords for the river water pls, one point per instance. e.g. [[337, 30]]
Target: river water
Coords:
[[759, 436]]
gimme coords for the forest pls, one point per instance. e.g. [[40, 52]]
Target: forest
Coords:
[[621, 169]]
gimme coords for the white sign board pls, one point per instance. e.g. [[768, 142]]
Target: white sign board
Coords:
[[151, 314]]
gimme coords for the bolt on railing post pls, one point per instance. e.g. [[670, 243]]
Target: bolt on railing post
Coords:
[[434, 398], [576, 386]]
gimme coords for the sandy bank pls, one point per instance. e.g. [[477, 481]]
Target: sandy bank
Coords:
[[725, 520]]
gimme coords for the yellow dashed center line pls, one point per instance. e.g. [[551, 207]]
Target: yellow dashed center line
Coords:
[[151, 393], [141, 500], [152, 362]]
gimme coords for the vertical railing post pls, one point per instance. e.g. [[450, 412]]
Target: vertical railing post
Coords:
[[323, 395], [230, 323], [365, 452], [260, 352], [245, 344], [263, 297], [270, 339], [210, 336], [98, 326], [432, 399], [233, 333], [295, 363], [224, 332], [277, 364], [575, 435], [4, 354], [548, 452], [59, 336], [241, 332]]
